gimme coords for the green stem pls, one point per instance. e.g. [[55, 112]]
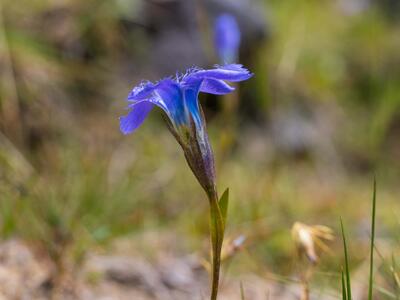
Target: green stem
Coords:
[[217, 228]]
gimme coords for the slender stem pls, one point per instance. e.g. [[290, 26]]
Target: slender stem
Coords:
[[305, 282], [371, 260], [306, 291], [217, 232]]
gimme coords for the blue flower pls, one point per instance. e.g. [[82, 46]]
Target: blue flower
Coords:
[[178, 98], [227, 38]]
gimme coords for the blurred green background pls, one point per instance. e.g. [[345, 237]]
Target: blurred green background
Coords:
[[318, 121]]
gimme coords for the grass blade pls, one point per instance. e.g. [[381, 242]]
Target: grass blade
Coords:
[[371, 261], [346, 258], [344, 292]]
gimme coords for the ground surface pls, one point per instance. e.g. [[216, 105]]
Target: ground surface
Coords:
[[24, 275]]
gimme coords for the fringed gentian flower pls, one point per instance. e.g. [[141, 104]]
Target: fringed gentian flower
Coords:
[[178, 98], [227, 38]]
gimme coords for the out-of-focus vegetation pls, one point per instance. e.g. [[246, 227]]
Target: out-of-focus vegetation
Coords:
[[324, 117]]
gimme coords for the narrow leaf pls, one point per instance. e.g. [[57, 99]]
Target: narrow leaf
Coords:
[[216, 227], [348, 283], [223, 204]]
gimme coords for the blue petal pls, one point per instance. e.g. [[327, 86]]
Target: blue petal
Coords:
[[232, 72], [170, 98], [142, 91], [166, 94], [216, 87], [135, 117], [192, 104]]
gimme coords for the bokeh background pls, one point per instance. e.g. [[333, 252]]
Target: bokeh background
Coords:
[[80, 204]]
